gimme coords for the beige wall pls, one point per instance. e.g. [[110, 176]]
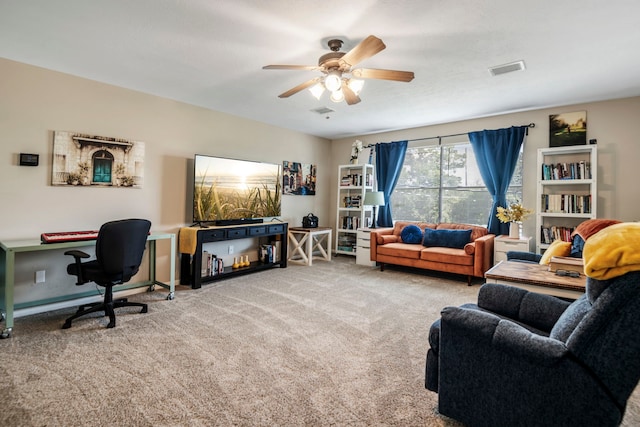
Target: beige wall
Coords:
[[34, 102], [614, 124]]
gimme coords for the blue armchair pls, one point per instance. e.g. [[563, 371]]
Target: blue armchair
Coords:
[[526, 359]]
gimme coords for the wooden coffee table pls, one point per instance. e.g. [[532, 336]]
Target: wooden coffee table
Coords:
[[536, 278]]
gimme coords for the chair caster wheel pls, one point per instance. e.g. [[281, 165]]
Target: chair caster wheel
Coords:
[[144, 309], [66, 325], [170, 296]]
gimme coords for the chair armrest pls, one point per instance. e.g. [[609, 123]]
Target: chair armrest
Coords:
[[483, 254], [373, 244], [78, 255], [523, 256], [537, 310]]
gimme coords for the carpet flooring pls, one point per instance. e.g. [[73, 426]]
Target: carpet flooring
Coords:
[[334, 344]]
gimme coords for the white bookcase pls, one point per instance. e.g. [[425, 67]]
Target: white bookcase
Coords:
[[567, 191], [353, 182]]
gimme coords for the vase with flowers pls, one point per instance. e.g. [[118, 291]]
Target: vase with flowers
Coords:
[[513, 214], [356, 148]]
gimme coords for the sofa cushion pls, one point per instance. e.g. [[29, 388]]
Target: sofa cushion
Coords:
[[383, 239], [444, 255], [411, 234], [398, 226], [477, 231], [557, 248], [446, 238], [400, 250], [470, 248]]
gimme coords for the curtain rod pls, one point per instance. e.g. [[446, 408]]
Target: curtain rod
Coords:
[[530, 125]]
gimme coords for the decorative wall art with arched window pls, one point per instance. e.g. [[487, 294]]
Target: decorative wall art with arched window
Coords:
[[99, 161]]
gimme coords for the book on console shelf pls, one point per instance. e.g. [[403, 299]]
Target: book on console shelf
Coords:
[[211, 265], [566, 263], [269, 253]]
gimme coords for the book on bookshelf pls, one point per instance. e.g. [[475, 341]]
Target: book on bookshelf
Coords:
[[576, 170], [566, 203], [553, 233]]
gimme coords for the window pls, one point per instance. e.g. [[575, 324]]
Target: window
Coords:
[[442, 183]]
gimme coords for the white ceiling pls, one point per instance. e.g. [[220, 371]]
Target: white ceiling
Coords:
[[210, 53]]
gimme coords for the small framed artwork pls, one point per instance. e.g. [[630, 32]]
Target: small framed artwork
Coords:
[[568, 129], [298, 179]]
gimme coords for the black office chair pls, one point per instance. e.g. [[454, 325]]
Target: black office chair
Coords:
[[119, 251]]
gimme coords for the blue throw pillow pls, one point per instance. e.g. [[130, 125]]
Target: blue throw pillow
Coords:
[[411, 234], [577, 245], [446, 238]]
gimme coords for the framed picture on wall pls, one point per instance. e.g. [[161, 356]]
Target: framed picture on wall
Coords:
[[298, 179], [568, 129], [100, 161]]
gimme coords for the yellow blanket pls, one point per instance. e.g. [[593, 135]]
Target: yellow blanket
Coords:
[[613, 251], [188, 239]]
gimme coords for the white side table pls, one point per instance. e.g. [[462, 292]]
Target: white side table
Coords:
[[363, 247], [305, 242], [503, 244]]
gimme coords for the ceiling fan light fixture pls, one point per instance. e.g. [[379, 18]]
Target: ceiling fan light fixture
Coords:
[[317, 90], [355, 85], [337, 96], [333, 81]]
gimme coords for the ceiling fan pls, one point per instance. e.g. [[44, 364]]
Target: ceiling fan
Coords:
[[339, 77]]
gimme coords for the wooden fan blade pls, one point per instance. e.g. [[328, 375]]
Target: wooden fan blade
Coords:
[[291, 67], [365, 49], [370, 73], [349, 96], [300, 87]]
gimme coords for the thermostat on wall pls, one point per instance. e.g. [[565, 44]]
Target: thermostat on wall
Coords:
[[29, 159]]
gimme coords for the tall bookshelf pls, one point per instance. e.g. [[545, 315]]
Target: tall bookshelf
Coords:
[[567, 191], [353, 182]]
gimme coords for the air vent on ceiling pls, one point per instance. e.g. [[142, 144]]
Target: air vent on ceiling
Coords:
[[507, 68], [323, 110]]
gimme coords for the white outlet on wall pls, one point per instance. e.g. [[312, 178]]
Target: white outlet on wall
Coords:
[[230, 249], [40, 276]]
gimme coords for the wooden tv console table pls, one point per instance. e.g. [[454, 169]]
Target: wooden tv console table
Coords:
[[191, 263], [536, 278]]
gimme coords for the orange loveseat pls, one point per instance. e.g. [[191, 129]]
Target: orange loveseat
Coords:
[[473, 260]]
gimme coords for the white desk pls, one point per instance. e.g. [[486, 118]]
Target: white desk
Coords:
[[305, 242], [10, 248]]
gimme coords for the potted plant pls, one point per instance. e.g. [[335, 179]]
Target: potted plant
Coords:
[[513, 214], [356, 148]]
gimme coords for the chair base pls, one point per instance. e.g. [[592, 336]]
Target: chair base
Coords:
[[107, 307]]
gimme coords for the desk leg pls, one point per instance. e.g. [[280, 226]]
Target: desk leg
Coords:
[[153, 266], [172, 272], [9, 282]]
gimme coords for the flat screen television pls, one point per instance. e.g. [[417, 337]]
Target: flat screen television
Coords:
[[226, 190]]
